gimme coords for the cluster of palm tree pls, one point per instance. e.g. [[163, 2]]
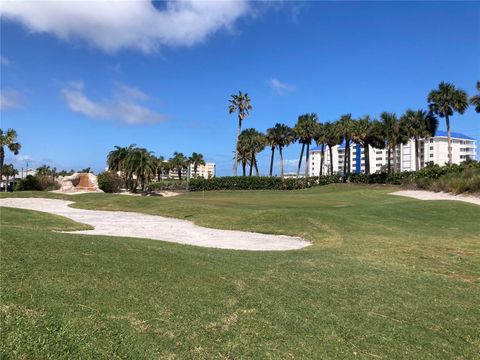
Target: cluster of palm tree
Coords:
[[387, 132], [139, 167]]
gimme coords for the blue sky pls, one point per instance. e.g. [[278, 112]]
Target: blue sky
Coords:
[[77, 80]]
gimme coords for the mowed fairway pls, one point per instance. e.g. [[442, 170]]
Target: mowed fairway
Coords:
[[386, 277]]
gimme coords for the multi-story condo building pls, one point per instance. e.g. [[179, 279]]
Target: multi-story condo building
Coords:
[[433, 149], [206, 171]]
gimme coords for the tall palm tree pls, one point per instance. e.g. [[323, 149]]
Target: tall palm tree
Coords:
[[140, 167], [8, 139], [255, 142], [360, 135], [196, 160], [321, 139], [346, 123], [419, 125], [242, 105], [178, 162], [333, 137], [284, 137], [475, 100], [271, 139], [305, 129], [8, 170], [116, 157], [444, 102], [160, 167], [395, 135]]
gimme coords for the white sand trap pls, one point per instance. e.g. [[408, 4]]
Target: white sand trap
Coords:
[[430, 195], [136, 225]]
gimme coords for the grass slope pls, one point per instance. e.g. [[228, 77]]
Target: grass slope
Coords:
[[387, 277]]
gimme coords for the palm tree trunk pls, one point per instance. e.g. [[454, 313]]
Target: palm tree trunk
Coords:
[[449, 140], [389, 151], [244, 170], [2, 159], [417, 155], [281, 161], [322, 157], [235, 164], [331, 159], [307, 159], [252, 164], [271, 160], [395, 159], [256, 165], [179, 172], [300, 160], [367, 158]]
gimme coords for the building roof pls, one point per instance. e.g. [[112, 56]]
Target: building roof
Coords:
[[453, 134]]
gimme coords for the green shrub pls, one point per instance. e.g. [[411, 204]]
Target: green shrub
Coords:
[[29, 183], [168, 185], [259, 183], [109, 182]]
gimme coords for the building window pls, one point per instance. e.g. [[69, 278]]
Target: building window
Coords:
[[431, 147], [431, 155]]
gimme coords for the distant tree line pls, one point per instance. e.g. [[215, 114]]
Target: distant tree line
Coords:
[[387, 132]]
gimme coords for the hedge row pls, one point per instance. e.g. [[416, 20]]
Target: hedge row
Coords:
[[259, 183]]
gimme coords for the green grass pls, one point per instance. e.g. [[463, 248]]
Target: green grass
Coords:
[[386, 277]]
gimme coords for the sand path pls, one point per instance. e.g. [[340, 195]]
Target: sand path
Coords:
[[137, 225]]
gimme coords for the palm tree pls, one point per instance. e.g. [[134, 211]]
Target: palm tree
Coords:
[[8, 170], [178, 162], [360, 135], [243, 156], [284, 137], [241, 104], [346, 123], [333, 137], [160, 167], [279, 136], [8, 139], [115, 158], [444, 102], [395, 134], [305, 129], [475, 100], [321, 139], [271, 139], [196, 160], [419, 125], [142, 164], [254, 142]]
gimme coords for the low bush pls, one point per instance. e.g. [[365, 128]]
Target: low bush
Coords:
[[168, 185], [29, 183], [109, 182], [259, 183]]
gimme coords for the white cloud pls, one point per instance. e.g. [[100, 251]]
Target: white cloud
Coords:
[[114, 25], [125, 105], [4, 60], [10, 99], [280, 87]]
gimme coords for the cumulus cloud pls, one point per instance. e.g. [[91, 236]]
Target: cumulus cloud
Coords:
[[279, 86], [139, 24], [125, 106], [10, 99]]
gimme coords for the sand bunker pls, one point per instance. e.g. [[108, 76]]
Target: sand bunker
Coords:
[[430, 195], [129, 224]]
